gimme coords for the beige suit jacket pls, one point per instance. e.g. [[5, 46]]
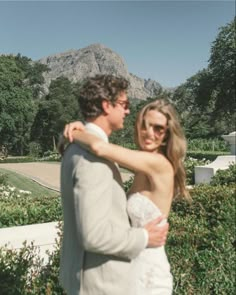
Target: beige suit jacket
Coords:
[[98, 242]]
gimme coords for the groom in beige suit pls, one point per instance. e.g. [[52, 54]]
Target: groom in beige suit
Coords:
[[98, 241]]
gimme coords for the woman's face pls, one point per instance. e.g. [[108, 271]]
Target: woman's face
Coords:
[[152, 131]]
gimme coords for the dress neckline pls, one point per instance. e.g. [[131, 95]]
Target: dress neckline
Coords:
[[142, 196]]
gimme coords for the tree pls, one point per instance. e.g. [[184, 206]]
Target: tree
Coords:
[[59, 107], [222, 70], [33, 73], [206, 101], [17, 107]]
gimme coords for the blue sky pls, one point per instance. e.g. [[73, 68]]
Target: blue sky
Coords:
[[167, 41]]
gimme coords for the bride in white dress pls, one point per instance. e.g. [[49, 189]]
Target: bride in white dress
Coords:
[[159, 177]]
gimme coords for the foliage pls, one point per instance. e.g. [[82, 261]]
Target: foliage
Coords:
[[207, 155], [21, 209], [3, 178], [222, 70], [127, 184], [225, 177], [35, 149], [17, 107], [23, 272], [18, 160], [20, 82], [33, 72], [201, 242], [206, 102], [24, 203], [17, 268], [50, 156], [201, 144], [59, 107]]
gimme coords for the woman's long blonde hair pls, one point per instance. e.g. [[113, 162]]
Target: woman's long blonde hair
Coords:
[[174, 145]]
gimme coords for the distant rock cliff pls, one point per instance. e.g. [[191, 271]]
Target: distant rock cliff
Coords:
[[92, 60]]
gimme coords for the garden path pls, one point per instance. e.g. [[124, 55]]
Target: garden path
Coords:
[[44, 173]]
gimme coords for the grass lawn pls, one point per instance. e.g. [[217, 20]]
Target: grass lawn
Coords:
[[24, 183]]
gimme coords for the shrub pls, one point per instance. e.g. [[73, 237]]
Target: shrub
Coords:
[[18, 160], [35, 149], [24, 273], [224, 177], [201, 242], [207, 155], [18, 207], [202, 144], [3, 178], [127, 184], [51, 156]]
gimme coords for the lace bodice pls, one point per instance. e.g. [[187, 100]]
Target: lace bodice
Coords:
[[151, 270], [141, 210]]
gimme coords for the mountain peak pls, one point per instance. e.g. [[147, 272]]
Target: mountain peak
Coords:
[[92, 60]]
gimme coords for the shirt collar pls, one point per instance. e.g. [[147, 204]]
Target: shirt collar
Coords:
[[98, 130]]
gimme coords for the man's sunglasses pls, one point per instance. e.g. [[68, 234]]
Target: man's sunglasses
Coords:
[[124, 103]]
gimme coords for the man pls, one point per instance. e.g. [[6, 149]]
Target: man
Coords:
[[98, 242]]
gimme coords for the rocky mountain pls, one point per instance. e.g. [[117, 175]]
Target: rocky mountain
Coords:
[[92, 60]]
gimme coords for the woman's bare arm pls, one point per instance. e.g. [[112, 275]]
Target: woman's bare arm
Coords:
[[134, 160]]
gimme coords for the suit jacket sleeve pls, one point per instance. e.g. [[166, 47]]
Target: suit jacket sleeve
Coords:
[[93, 191]]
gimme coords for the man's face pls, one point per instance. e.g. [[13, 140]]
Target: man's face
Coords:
[[119, 111]]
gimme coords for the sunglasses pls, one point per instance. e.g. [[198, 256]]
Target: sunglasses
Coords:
[[125, 104], [159, 129]]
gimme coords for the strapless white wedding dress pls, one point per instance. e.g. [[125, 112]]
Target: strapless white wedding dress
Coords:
[[150, 270]]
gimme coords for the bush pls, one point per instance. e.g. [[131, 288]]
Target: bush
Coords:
[[29, 210], [127, 184], [18, 160], [207, 155], [201, 242], [202, 144], [35, 149], [51, 156], [225, 177], [24, 273], [20, 207], [3, 178]]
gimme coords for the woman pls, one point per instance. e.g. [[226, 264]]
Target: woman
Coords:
[[159, 177]]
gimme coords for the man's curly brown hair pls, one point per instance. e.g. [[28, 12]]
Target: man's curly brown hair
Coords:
[[98, 88]]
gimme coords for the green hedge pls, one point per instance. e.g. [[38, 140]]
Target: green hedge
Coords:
[[27, 210], [224, 177], [207, 155], [17, 160], [24, 273], [201, 242]]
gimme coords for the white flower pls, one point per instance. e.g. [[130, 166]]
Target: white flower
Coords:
[[6, 194], [11, 188], [21, 191]]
